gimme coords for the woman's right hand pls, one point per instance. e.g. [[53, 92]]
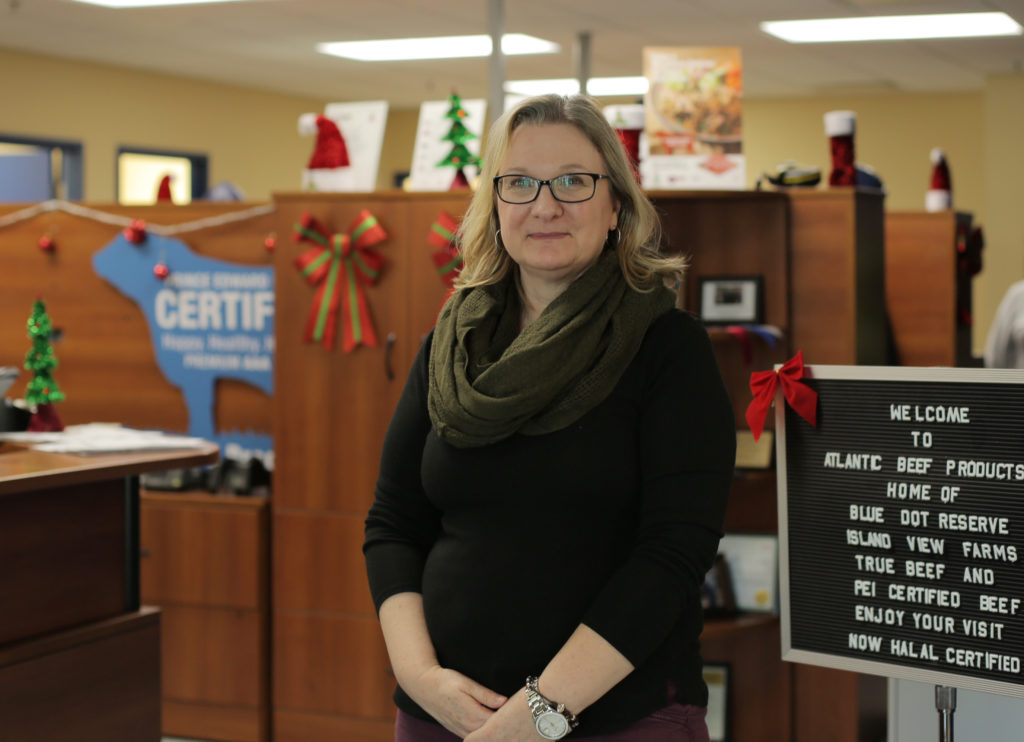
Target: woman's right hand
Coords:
[[459, 704]]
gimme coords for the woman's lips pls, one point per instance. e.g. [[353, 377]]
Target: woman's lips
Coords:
[[547, 235]]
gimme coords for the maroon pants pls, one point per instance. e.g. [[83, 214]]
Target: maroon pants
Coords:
[[675, 723]]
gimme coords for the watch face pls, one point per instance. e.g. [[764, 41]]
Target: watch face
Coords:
[[552, 725]]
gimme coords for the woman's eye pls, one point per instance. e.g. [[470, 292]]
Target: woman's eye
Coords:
[[521, 183]]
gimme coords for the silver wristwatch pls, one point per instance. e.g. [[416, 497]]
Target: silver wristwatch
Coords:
[[552, 719]]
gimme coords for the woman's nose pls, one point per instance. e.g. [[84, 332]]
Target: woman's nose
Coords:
[[546, 201]]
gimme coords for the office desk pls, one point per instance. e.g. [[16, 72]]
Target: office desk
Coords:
[[79, 657]]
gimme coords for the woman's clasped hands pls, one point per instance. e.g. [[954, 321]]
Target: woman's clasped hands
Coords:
[[458, 703]]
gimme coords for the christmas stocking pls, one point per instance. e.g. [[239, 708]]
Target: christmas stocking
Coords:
[[840, 127]]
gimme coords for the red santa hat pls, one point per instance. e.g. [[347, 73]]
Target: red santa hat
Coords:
[[163, 191], [940, 190], [330, 150]]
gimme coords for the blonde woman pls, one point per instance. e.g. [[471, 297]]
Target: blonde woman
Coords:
[[554, 479]]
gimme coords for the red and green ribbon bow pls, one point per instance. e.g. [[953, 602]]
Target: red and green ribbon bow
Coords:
[[342, 265], [800, 397], [447, 259]]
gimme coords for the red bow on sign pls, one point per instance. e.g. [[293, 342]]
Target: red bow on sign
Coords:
[[801, 397], [342, 264]]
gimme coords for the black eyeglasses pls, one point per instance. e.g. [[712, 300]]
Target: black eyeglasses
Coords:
[[571, 188]]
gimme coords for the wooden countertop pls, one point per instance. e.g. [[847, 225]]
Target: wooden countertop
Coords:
[[23, 468]]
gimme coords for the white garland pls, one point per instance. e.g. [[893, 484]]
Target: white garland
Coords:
[[124, 221]]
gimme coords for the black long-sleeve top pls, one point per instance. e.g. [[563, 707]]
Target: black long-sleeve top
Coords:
[[612, 522]]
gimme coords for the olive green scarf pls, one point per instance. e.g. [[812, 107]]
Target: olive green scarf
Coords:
[[488, 380]]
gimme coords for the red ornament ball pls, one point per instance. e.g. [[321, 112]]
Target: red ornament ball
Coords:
[[46, 243], [136, 231], [270, 242], [161, 271]]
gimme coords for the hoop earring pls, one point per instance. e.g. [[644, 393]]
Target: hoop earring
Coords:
[[497, 240]]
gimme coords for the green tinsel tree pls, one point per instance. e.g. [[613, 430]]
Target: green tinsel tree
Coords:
[[459, 156], [42, 390]]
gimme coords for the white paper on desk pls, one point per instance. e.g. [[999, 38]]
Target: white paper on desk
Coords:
[[753, 566], [98, 438]]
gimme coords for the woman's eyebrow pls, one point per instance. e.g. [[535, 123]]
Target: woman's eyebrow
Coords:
[[571, 167]]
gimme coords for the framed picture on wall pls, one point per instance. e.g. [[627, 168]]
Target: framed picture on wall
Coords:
[[716, 677], [732, 300]]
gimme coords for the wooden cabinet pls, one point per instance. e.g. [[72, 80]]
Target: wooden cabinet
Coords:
[[331, 409], [927, 289], [79, 657], [837, 276], [204, 561]]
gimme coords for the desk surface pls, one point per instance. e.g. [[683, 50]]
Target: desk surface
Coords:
[[23, 468]]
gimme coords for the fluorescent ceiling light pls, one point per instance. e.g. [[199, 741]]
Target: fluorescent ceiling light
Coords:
[[437, 47], [596, 86], [149, 3], [561, 86], [887, 28]]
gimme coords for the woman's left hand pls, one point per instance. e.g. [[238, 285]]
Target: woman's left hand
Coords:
[[513, 722]]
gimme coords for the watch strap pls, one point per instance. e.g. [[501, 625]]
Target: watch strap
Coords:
[[539, 704]]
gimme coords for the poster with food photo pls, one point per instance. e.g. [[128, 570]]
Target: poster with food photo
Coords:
[[694, 118]]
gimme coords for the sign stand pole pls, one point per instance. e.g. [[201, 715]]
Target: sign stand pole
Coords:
[[945, 704]]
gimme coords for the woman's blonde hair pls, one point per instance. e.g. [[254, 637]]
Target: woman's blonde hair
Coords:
[[485, 261]]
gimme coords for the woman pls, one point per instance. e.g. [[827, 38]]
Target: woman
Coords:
[[554, 479]]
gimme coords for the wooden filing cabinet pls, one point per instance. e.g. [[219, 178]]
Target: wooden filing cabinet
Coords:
[[204, 562]]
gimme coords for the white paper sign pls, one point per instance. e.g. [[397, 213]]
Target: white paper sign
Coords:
[[430, 148], [362, 126], [753, 567]]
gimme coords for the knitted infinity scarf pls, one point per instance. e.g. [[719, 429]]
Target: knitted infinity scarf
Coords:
[[488, 380]]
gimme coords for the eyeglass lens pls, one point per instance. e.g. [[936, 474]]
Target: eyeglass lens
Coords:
[[571, 187]]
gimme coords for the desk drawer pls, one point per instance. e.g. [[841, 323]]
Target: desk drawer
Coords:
[[197, 551]]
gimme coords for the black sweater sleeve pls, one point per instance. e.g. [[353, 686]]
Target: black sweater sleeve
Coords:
[[688, 449], [402, 525]]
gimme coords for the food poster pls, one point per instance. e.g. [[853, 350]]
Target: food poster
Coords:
[[694, 118]]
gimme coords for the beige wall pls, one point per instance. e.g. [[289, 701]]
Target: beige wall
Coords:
[[895, 135], [1004, 221], [250, 136], [252, 140]]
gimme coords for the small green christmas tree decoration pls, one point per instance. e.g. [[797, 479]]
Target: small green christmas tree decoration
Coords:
[[458, 135], [42, 390]]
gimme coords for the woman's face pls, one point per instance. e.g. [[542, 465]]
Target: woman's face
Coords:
[[553, 241]]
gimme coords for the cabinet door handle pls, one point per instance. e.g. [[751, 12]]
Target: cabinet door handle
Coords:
[[389, 345]]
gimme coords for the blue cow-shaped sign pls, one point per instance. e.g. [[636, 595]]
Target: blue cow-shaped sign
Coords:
[[208, 319]]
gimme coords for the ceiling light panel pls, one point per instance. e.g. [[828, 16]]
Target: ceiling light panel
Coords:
[[890, 28], [437, 47], [151, 3], [596, 86]]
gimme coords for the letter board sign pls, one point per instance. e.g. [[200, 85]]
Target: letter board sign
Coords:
[[901, 525]]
